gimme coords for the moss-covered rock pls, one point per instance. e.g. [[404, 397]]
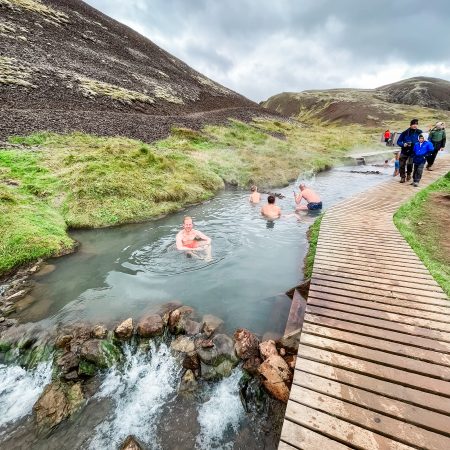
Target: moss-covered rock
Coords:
[[86, 369]]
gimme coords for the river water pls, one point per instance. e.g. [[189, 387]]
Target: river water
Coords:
[[130, 270]]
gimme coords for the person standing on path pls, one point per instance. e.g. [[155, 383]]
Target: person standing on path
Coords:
[[421, 151], [387, 136], [406, 141], [437, 137]]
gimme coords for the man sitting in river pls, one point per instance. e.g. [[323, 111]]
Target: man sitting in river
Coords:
[[271, 211], [312, 199], [190, 239]]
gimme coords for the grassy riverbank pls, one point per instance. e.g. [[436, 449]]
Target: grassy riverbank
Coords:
[[313, 237], [51, 182], [424, 222]]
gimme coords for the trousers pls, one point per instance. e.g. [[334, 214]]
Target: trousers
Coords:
[[405, 163]]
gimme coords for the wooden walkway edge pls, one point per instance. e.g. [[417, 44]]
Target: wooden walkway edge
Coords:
[[373, 364]]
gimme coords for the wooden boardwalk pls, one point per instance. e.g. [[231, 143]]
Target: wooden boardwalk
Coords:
[[373, 365]]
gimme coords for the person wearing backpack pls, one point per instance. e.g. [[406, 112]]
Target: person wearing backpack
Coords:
[[421, 150], [437, 137], [406, 141]]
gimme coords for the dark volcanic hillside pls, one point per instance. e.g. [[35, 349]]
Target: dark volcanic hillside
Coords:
[[65, 66], [369, 107], [422, 91]]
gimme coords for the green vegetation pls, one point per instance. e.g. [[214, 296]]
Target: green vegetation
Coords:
[[313, 236], [424, 223], [54, 182]]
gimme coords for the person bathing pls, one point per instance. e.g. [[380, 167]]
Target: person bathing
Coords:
[[311, 197], [255, 196], [191, 239]]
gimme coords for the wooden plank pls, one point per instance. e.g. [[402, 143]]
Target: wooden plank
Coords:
[[415, 381], [421, 417], [329, 293], [283, 446], [364, 381], [305, 438], [375, 277], [345, 268], [423, 327], [375, 264], [339, 429], [415, 332], [383, 284], [387, 340], [374, 421], [402, 254], [344, 239], [366, 353], [389, 307], [355, 287]]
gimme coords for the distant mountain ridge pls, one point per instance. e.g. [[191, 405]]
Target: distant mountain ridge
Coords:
[[64, 65], [368, 107]]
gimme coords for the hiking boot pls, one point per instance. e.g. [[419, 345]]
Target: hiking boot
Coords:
[[429, 168], [408, 177], [402, 180], [415, 184]]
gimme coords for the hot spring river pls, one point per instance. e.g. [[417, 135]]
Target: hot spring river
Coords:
[[130, 270]]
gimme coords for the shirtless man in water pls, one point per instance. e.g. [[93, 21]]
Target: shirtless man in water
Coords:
[[255, 196], [312, 199], [190, 239], [271, 211]]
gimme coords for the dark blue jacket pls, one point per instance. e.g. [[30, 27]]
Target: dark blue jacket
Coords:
[[411, 136], [421, 151]]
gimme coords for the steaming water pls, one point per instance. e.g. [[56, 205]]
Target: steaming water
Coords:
[[19, 390], [130, 270], [138, 390], [221, 414]]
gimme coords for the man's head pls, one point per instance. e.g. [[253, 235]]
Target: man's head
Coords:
[[421, 138], [187, 223], [302, 186], [414, 124], [271, 199], [440, 125], [253, 188]]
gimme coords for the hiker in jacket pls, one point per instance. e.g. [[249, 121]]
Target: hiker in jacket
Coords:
[[421, 151], [406, 141], [437, 138]]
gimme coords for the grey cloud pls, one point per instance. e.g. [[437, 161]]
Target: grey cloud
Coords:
[[262, 47]]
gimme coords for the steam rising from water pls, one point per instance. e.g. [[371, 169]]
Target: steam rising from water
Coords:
[[19, 390], [221, 414], [138, 392]]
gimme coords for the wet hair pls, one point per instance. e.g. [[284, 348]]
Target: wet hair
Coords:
[[414, 122], [271, 199], [187, 218], [253, 188], [386, 161]]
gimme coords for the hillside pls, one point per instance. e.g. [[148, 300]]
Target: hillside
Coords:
[[368, 107], [66, 66]]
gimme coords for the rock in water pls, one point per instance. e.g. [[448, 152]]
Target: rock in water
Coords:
[[276, 375], [211, 324], [246, 344], [268, 348], [149, 326], [125, 329], [99, 332], [130, 443]]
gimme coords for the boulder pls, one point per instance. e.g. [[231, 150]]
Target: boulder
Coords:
[[149, 326], [267, 348], [211, 324], [191, 361], [276, 374], [192, 327], [251, 365], [188, 382], [86, 369], [68, 362], [125, 329], [56, 403], [222, 349], [183, 344], [178, 318], [63, 341], [102, 353], [221, 370], [130, 443], [99, 332], [246, 344]]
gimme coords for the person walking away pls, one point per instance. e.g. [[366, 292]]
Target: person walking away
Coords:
[[421, 150], [437, 137], [406, 141], [387, 136]]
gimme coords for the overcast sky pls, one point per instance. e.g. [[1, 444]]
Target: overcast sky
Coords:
[[260, 48]]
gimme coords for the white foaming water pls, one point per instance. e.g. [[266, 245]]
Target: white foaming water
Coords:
[[138, 390], [19, 390], [220, 414]]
